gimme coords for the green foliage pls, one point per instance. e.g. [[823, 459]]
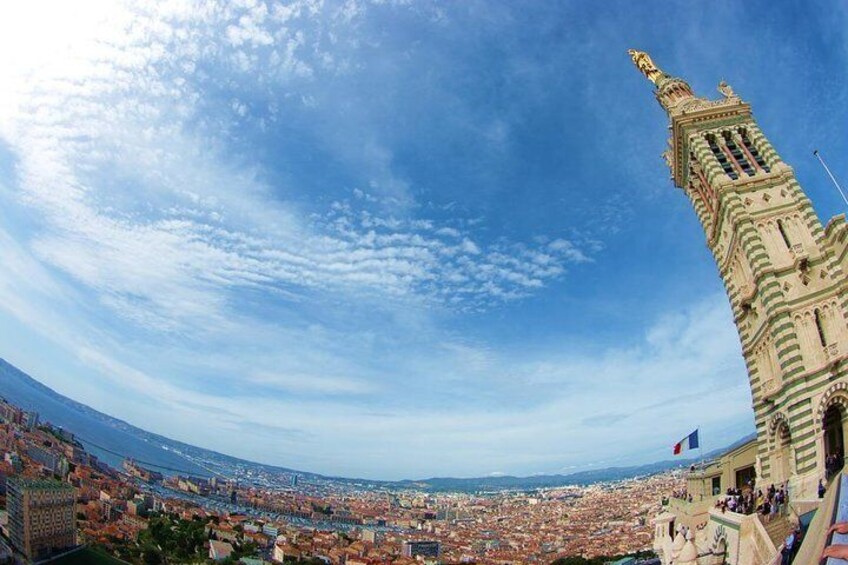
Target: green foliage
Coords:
[[322, 509], [167, 539], [602, 560], [178, 540], [87, 556], [170, 539], [246, 549], [152, 556]]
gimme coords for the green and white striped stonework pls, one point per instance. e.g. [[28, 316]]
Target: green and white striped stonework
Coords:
[[769, 302]]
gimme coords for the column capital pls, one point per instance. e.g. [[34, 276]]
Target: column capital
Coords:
[[698, 139]]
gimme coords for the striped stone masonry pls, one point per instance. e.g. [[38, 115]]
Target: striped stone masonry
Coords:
[[792, 273]]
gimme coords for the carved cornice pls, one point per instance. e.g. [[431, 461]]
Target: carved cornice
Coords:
[[694, 114]]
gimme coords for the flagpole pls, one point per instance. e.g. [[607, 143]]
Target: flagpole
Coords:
[[703, 469], [833, 178]]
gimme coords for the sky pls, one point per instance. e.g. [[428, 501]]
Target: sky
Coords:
[[389, 239]]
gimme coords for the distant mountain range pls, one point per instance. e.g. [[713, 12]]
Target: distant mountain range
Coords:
[[112, 440], [506, 482]]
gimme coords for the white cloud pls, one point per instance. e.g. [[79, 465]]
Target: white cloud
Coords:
[[310, 384], [155, 218], [560, 406], [143, 198]]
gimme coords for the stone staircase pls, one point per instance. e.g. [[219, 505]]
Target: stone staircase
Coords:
[[777, 529]]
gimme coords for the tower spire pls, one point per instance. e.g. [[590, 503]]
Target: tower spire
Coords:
[[784, 273], [645, 65], [671, 92]]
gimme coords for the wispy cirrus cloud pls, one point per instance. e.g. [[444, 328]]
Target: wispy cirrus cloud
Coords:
[[311, 384], [301, 215], [142, 205]]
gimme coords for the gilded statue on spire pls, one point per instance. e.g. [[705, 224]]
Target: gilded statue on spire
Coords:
[[645, 65], [725, 89]]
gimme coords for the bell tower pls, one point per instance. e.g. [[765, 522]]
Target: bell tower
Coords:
[[784, 274]]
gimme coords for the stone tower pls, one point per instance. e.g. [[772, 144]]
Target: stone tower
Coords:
[[784, 274]]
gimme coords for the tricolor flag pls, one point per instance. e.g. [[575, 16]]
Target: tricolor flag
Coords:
[[687, 443]]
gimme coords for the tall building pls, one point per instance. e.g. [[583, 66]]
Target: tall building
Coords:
[[29, 420], [784, 273], [41, 516], [420, 549], [51, 461]]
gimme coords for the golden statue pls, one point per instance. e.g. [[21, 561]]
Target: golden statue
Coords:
[[725, 89], [645, 65]]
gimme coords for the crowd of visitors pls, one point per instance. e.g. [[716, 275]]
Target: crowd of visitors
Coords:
[[746, 501], [833, 464], [682, 494]]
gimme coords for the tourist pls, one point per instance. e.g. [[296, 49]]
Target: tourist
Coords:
[[839, 550], [765, 510], [788, 546], [799, 539], [821, 488]]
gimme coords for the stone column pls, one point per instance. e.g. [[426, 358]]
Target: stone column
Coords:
[[737, 138], [708, 161], [762, 144], [720, 141]]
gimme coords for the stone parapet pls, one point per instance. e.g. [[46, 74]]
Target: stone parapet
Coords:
[[817, 534]]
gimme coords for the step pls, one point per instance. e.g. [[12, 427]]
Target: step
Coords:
[[777, 529]]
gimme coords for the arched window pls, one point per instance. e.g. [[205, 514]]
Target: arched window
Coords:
[[753, 150], [782, 230], [721, 157], [738, 155], [820, 327]]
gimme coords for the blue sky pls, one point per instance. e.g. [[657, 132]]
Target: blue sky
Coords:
[[388, 239]]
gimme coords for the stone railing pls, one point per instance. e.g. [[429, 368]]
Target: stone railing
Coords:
[[693, 514], [746, 540], [840, 515], [756, 546], [817, 537]]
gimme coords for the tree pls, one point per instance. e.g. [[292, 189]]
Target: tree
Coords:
[[153, 556]]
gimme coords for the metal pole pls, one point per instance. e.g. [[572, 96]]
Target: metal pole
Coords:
[[833, 178]]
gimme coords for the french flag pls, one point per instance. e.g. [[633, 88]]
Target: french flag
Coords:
[[687, 443]]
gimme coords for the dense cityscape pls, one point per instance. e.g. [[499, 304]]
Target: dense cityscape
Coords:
[[129, 512], [399, 282]]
